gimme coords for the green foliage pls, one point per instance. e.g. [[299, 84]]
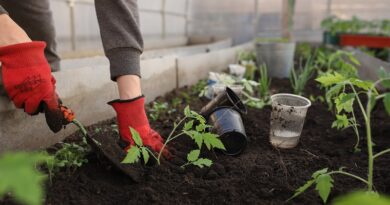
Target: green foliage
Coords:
[[70, 156], [324, 183], [193, 158], [246, 56], [19, 176], [362, 198], [341, 122], [194, 126], [250, 69], [355, 25], [157, 109], [340, 61], [135, 152], [299, 77], [200, 88], [304, 50], [264, 82]]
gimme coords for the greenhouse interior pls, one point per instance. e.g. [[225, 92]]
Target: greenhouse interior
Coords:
[[195, 102]]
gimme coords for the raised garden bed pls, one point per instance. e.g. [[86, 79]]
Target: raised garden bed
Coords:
[[260, 175]]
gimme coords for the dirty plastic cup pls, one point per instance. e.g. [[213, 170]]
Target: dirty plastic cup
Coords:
[[219, 88], [228, 98], [227, 123], [287, 119]]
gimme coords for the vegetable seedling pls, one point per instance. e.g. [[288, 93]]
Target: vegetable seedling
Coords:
[[199, 135], [337, 84], [299, 78]]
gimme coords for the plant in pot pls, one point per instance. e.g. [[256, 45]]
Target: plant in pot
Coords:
[[278, 53]]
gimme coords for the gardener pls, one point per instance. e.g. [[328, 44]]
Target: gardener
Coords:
[[28, 55]]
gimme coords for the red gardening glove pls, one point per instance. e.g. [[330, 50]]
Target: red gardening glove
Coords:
[[28, 81], [131, 113]]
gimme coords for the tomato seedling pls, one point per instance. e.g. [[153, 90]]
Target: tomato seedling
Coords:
[[344, 99]]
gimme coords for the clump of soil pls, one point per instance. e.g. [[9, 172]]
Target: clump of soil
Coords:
[[260, 175]]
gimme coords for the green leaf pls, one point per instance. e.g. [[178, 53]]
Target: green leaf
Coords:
[[136, 137], [212, 141], [302, 189], [200, 127], [385, 77], [198, 138], [329, 79], [341, 122], [145, 154], [202, 162], [324, 185], [132, 156], [187, 111], [365, 85], [193, 155], [345, 102], [18, 175], [319, 172], [386, 102], [188, 125], [362, 198]]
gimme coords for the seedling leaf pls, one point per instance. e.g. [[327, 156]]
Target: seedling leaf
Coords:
[[365, 85], [193, 155], [302, 189], [384, 76], [329, 79], [324, 185], [132, 156], [187, 111], [362, 198], [136, 137], [202, 162], [212, 141], [188, 125], [340, 122], [19, 176], [145, 154], [386, 102], [345, 102]]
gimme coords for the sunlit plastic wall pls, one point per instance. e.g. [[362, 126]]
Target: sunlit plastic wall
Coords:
[[240, 19]]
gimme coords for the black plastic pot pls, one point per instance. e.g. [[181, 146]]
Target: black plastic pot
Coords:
[[224, 99], [227, 123]]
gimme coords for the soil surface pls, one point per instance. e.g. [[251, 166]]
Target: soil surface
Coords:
[[260, 175]]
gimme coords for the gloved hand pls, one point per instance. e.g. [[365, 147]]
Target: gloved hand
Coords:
[[131, 113], [28, 81]]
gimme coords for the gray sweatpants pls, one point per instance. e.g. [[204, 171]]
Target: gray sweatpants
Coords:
[[119, 29]]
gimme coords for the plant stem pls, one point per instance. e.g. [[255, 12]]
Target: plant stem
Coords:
[[355, 128], [350, 175], [80, 126], [152, 154], [367, 114], [169, 139], [381, 153]]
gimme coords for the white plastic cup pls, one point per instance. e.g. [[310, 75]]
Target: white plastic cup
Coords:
[[218, 88], [287, 119]]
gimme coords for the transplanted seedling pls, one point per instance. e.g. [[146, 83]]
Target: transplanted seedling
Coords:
[[299, 78], [344, 99], [194, 127]]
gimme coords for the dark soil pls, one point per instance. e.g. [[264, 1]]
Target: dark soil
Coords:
[[260, 175]]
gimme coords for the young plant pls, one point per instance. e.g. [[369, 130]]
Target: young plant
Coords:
[[20, 178], [199, 134], [246, 56], [264, 83], [337, 84], [200, 88], [299, 78], [158, 108]]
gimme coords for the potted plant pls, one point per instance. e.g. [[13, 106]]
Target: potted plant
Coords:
[[277, 55]]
